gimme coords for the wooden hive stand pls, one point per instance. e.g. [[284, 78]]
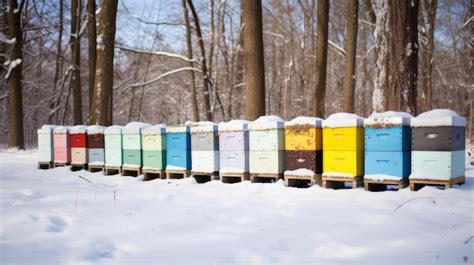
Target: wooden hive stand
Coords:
[[234, 177], [45, 165], [203, 177], [177, 174], [416, 184], [77, 167], [153, 173], [95, 168], [112, 170], [338, 182], [265, 177], [302, 181], [131, 171], [382, 185], [60, 164]]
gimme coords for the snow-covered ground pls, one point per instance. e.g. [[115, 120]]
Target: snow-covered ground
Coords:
[[54, 216]]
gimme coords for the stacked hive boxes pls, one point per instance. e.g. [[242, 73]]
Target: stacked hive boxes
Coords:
[[78, 139], [113, 148], [205, 148], [62, 147], [266, 150], [438, 146], [234, 149], [154, 148], [343, 146], [387, 146], [178, 153], [303, 149], [132, 144], [95, 141], [45, 146]]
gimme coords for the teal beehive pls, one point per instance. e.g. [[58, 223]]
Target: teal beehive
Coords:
[[113, 146], [132, 144]]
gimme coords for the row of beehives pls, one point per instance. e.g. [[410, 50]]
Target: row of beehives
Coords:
[[387, 148]]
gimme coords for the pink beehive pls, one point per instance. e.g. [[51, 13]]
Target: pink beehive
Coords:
[[62, 148]]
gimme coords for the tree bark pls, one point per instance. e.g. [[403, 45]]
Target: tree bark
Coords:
[[321, 57], [254, 72], [14, 79], [76, 10], [192, 76], [54, 101], [350, 60], [102, 102], [92, 38], [396, 50]]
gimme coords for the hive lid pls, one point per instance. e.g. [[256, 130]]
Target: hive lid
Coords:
[[343, 119], [177, 129], [438, 117], [234, 125], [201, 126], [114, 129], [155, 129], [95, 129], [388, 118], [135, 127], [78, 129], [303, 120], [267, 122], [47, 128], [62, 129]]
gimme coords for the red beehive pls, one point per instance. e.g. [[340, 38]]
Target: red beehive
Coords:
[[78, 136]]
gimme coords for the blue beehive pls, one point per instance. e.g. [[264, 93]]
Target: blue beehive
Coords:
[[388, 145], [178, 142]]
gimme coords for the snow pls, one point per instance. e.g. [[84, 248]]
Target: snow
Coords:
[[96, 163], [114, 129], [78, 129], [155, 129], [234, 125], [438, 117], [201, 126], [130, 166], [388, 118], [381, 177], [62, 129], [55, 217], [47, 128], [177, 129], [171, 167], [303, 120], [267, 122], [134, 127], [337, 174], [12, 65], [96, 129], [231, 170], [300, 172], [343, 119], [4, 39]]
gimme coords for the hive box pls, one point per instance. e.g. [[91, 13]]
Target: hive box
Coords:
[[178, 153], [78, 138], [62, 148], [204, 147], [154, 147], [113, 146], [311, 160], [443, 165], [346, 162], [233, 147], [393, 163], [45, 144], [442, 138], [234, 161], [132, 144], [95, 141]]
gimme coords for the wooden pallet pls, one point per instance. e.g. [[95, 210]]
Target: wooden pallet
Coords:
[[234, 177], [151, 173], [416, 184], [112, 170], [302, 181], [96, 168], [60, 164], [335, 182], [177, 174], [203, 177], [131, 171], [45, 165], [265, 178], [381, 185], [77, 167]]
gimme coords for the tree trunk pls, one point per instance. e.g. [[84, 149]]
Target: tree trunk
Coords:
[[396, 50], [321, 57], [14, 77], [350, 60], [92, 38], [192, 77], [254, 72], [205, 72], [76, 11], [102, 102], [54, 101]]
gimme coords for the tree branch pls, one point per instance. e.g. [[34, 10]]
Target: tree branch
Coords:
[[167, 54]]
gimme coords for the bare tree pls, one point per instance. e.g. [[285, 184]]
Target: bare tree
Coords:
[[92, 38], [350, 61], [254, 72], [321, 57], [189, 47], [54, 100], [103, 90], [76, 10]]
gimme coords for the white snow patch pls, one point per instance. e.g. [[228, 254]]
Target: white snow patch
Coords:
[[303, 120], [96, 129], [12, 65], [78, 129], [135, 127], [381, 177], [171, 167], [438, 117], [300, 172], [388, 118], [267, 122], [201, 126], [155, 129], [177, 129], [114, 129], [6, 40], [96, 163], [343, 119], [234, 125], [62, 129]]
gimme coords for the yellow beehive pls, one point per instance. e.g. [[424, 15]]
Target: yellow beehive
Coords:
[[349, 162], [343, 138], [303, 134]]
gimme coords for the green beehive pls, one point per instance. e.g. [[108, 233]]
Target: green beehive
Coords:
[[132, 144], [154, 147], [113, 146]]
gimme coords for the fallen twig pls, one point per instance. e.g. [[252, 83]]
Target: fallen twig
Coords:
[[431, 200], [469, 239]]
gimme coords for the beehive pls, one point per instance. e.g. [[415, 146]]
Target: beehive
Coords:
[[62, 147], [303, 145], [96, 145], [113, 146], [154, 147], [45, 144], [438, 145], [204, 147], [132, 144], [178, 153], [266, 146], [387, 146], [78, 139], [234, 147], [343, 145]]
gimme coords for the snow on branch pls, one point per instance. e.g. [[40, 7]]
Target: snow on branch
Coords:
[[336, 47], [165, 75], [4, 39], [12, 66], [167, 54], [139, 19]]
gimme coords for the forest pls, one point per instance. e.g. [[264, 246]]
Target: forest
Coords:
[[111, 62]]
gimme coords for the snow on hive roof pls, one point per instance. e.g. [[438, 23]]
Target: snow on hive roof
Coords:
[[234, 125], [300, 172], [114, 129], [438, 117], [201, 126], [303, 120], [343, 119], [47, 128], [135, 127], [155, 129], [62, 129], [267, 122], [388, 118], [78, 129], [177, 129], [95, 129]]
